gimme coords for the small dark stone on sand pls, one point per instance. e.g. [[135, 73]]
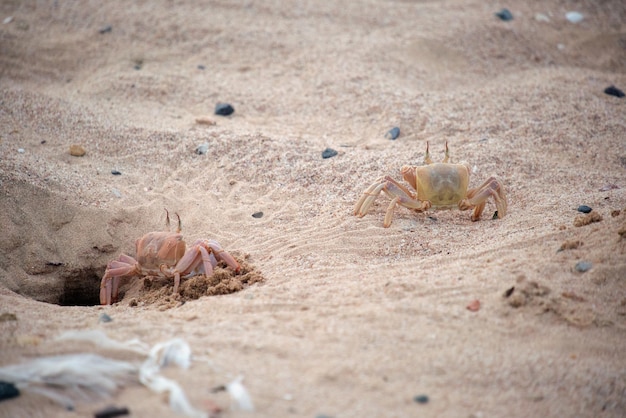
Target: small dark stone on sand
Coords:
[[329, 153], [421, 399], [393, 133], [257, 215], [201, 67], [105, 318], [584, 209], [111, 412], [614, 91], [224, 109], [116, 173], [583, 266], [505, 15], [509, 292], [106, 29], [8, 391]]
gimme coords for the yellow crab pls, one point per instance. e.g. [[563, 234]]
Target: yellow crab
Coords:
[[164, 254], [435, 185]]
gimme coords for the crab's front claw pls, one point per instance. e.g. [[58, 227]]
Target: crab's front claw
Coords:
[[222, 254]]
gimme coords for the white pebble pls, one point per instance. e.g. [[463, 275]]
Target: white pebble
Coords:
[[540, 17], [117, 193], [202, 149], [7, 20], [574, 17], [21, 150]]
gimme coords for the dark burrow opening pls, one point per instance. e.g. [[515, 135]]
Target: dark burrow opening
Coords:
[[81, 287]]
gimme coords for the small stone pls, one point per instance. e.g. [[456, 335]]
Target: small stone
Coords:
[[8, 391], [474, 306], [509, 292], [106, 29], [224, 109], [201, 67], [504, 15], [328, 153], [21, 150], [116, 173], [540, 17], [614, 91], [393, 133], [77, 150], [584, 209], [202, 149], [111, 412], [421, 399], [117, 193], [105, 318], [574, 17], [7, 20], [583, 266], [257, 215], [205, 121]]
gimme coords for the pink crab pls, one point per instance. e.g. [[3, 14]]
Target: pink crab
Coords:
[[164, 254]]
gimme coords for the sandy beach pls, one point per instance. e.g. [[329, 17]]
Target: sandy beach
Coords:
[[333, 315]]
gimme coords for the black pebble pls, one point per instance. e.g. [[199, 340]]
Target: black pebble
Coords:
[[505, 15], [106, 29], [584, 209], [329, 153], [257, 215], [224, 109], [421, 399], [116, 173], [393, 133], [614, 91], [201, 67], [111, 411], [8, 391], [509, 292]]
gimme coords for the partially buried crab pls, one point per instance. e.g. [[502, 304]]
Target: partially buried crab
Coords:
[[164, 254], [434, 185]]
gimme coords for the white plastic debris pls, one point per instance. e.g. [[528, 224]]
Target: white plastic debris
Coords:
[[175, 351], [69, 377], [85, 376], [574, 17], [100, 339], [239, 394]]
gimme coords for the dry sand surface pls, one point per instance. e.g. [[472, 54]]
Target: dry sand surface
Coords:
[[342, 317]]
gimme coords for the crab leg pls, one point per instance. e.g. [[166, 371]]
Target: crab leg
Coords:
[[476, 198], [109, 285], [368, 197]]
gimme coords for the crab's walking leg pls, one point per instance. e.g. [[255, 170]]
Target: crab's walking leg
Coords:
[[476, 198], [368, 197], [399, 195], [109, 285]]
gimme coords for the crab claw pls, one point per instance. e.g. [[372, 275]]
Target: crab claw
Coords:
[[222, 254]]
